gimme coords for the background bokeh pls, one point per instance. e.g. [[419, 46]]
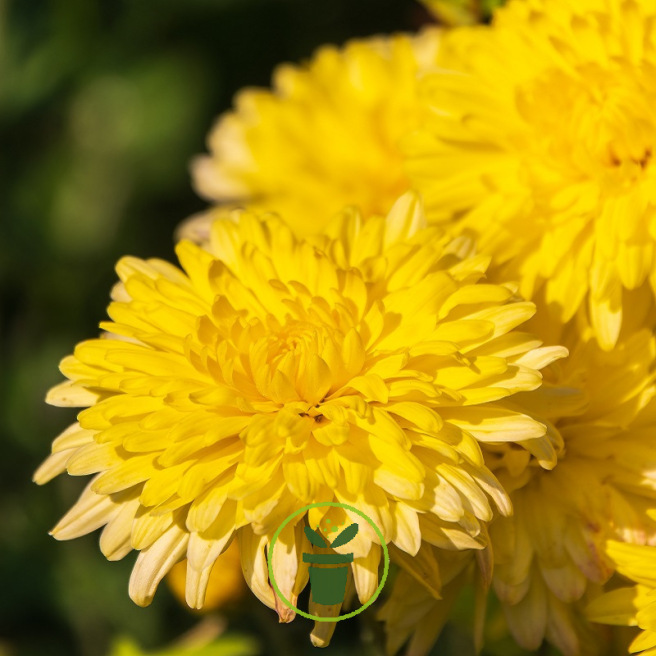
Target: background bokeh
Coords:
[[102, 105]]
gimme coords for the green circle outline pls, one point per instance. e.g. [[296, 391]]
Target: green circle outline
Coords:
[[379, 589]]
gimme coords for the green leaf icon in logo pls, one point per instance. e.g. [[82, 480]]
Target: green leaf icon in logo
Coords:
[[345, 536], [315, 538]]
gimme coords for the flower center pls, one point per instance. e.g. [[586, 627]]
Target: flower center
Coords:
[[296, 361], [591, 122]]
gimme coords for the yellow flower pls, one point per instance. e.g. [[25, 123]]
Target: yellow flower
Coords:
[[365, 366], [327, 135], [631, 606], [549, 558], [541, 140]]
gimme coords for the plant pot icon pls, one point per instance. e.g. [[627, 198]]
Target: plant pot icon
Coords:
[[329, 571], [328, 583]]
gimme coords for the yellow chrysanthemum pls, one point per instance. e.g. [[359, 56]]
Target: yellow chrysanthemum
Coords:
[[364, 366], [327, 135], [631, 606], [541, 143], [549, 557]]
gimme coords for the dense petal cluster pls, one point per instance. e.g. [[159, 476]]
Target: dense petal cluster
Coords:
[[551, 553], [549, 557], [634, 606], [541, 141], [365, 366], [415, 611], [326, 136]]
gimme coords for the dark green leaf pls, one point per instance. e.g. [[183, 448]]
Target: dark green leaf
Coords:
[[345, 536], [315, 538]]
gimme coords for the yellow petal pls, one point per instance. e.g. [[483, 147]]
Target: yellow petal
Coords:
[[69, 394], [154, 563]]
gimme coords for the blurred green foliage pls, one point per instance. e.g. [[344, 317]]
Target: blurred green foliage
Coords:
[[102, 105], [237, 645], [463, 12]]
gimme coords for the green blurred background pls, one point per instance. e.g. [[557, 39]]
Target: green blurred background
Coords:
[[102, 105]]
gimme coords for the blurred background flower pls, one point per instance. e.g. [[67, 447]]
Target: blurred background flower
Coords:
[[292, 149]]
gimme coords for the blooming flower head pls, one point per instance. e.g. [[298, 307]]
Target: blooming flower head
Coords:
[[541, 141], [631, 606], [325, 137], [365, 366], [549, 558]]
